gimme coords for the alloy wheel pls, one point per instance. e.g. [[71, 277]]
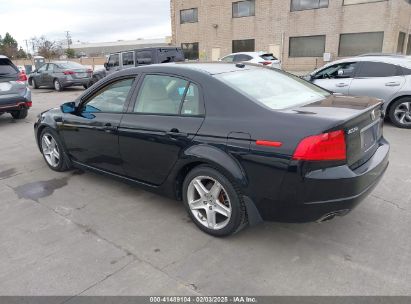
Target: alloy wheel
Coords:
[[57, 85], [50, 150], [209, 202], [402, 113]]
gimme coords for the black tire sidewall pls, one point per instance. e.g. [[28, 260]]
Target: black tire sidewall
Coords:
[[237, 206], [63, 158], [20, 114], [392, 111], [54, 84]]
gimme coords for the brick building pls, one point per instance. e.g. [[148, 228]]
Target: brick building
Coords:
[[299, 32]]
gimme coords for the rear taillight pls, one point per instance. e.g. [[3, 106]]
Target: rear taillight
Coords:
[[22, 76], [327, 146], [265, 62], [68, 72], [29, 104]]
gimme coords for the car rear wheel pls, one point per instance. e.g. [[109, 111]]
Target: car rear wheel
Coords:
[[20, 114], [33, 84], [213, 202], [400, 113], [53, 151], [57, 85]]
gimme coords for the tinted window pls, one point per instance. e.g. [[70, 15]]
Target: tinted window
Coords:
[[191, 50], [242, 57], [189, 15], [268, 57], [128, 58], [247, 45], [228, 58], [360, 43], [111, 98], [170, 55], [243, 9], [114, 60], [378, 69], [299, 5], [342, 70], [164, 95], [50, 68], [144, 57], [274, 89], [42, 68], [7, 67], [307, 46]]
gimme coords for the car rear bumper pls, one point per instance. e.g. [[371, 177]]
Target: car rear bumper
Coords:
[[15, 102], [75, 82], [322, 194]]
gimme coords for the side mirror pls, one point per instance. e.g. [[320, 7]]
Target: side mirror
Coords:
[[68, 107]]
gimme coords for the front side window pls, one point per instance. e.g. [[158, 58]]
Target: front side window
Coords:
[[128, 58], [111, 98], [189, 15], [307, 46], [191, 50], [167, 95], [243, 9], [50, 68], [360, 43], [341, 70], [300, 5], [378, 69], [247, 45], [114, 60], [42, 68], [275, 90]]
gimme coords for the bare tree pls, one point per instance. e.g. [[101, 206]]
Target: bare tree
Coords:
[[48, 49]]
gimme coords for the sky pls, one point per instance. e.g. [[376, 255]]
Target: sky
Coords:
[[87, 20]]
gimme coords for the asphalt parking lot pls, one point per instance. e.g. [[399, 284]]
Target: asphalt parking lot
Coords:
[[79, 233]]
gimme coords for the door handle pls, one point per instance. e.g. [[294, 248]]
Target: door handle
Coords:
[[108, 127], [341, 85], [392, 84], [176, 133]]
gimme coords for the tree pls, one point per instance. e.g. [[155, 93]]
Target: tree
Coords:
[[21, 54], [48, 49], [8, 46], [70, 53]]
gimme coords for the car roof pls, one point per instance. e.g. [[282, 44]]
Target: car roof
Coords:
[[169, 47], [3, 57]]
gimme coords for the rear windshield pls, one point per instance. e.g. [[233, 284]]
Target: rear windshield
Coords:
[[170, 55], [7, 67], [274, 89], [268, 57], [70, 65]]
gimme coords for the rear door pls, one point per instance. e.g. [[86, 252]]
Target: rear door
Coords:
[[377, 79], [336, 78], [164, 119]]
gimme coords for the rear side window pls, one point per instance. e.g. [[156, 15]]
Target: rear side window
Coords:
[[268, 57], [144, 57], [242, 57], [7, 67], [128, 58], [170, 55], [378, 69], [70, 65]]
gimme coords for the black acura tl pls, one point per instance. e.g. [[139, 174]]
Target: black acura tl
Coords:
[[236, 143]]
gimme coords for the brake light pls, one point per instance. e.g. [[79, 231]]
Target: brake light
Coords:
[[22, 76], [29, 104], [327, 146], [265, 62], [68, 72]]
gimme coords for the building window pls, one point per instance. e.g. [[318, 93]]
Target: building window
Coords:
[[360, 43], [409, 45], [350, 2], [247, 45], [190, 50], [401, 42], [308, 46], [189, 15], [301, 5], [243, 8]]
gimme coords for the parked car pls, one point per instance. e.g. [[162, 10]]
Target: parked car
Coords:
[[387, 77], [145, 56], [15, 96], [237, 143], [253, 57], [60, 75]]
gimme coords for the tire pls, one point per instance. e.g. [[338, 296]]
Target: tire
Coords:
[[86, 86], [400, 113], [61, 161], [20, 114], [34, 84], [57, 85], [201, 208]]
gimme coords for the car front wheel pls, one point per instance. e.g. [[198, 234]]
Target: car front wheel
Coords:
[[400, 113], [213, 202], [53, 151]]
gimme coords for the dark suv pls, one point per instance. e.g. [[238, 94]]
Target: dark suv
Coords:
[[15, 96]]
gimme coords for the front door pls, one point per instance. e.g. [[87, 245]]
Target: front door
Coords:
[[336, 78], [91, 135], [166, 116]]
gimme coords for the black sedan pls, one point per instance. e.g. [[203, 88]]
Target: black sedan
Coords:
[[60, 75], [237, 143]]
